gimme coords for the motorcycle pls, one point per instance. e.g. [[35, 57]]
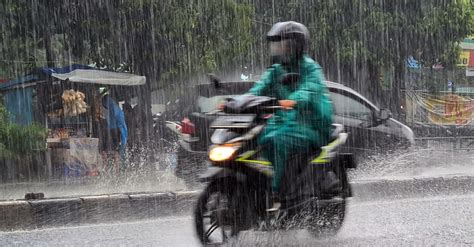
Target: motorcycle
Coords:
[[164, 141], [238, 195]]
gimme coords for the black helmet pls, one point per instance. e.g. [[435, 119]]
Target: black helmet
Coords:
[[290, 30]]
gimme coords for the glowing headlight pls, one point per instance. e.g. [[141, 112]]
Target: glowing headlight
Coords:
[[221, 153]]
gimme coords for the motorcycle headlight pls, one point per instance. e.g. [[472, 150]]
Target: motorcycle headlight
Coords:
[[222, 153]]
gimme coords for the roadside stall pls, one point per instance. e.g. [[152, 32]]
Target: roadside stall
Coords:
[[68, 103]]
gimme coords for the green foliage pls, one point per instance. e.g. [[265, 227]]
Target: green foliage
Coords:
[[385, 31], [19, 140], [170, 40], [358, 41], [153, 38]]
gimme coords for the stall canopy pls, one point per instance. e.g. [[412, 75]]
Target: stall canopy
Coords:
[[18, 93], [101, 77], [75, 73]]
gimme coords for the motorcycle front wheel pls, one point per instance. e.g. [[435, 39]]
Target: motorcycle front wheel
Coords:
[[216, 217]]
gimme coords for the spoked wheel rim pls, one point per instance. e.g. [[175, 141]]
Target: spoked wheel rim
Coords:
[[213, 218], [217, 209]]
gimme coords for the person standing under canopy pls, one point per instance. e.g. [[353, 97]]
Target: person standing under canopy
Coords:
[[115, 137]]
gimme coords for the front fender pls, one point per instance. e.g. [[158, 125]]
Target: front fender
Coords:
[[213, 173]]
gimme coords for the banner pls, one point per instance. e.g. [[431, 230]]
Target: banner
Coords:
[[470, 65], [464, 58], [447, 109]]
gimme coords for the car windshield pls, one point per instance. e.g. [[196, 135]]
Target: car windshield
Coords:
[[209, 104], [346, 106], [209, 97]]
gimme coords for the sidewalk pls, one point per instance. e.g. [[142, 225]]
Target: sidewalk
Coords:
[[417, 163], [134, 182]]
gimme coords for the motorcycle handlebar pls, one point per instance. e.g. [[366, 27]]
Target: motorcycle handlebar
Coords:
[[274, 107], [269, 108]]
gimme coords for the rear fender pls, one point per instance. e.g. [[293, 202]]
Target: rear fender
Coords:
[[343, 162], [347, 160]]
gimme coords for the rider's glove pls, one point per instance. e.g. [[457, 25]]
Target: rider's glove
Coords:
[[287, 104]]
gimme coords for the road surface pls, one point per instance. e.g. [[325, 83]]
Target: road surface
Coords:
[[420, 221]]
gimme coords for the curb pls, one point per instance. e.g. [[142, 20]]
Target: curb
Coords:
[[56, 212], [402, 188]]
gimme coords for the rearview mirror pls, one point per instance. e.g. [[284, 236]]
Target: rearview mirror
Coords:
[[384, 114], [215, 80]]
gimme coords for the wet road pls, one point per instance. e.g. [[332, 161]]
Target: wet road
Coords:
[[421, 221]]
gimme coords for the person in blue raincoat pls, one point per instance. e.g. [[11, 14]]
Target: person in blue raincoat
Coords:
[[116, 133], [305, 122]]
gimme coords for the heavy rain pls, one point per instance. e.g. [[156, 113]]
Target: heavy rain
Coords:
[[236, 123]]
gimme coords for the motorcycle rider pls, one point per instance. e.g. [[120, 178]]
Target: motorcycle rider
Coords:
[[305, 122]]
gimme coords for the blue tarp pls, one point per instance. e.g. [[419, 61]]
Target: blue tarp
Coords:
[[21, 80], [20, 106], [64, 70]]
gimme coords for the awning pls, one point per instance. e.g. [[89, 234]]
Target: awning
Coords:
[[101, 77]]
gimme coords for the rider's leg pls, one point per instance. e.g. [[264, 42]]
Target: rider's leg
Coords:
[[277, 156], [279, 144]]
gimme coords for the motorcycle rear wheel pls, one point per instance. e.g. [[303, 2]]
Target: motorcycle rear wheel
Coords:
[[329, 219]]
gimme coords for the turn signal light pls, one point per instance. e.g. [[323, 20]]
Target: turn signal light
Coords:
[[222, 153]]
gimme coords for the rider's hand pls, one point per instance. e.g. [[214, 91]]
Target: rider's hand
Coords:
[[287, 104], [221, 106]]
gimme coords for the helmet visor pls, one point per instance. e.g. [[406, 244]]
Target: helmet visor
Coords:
[[280, 48]]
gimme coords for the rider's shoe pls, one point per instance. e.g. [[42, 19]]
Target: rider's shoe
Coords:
[[275, 207], [276, 203]]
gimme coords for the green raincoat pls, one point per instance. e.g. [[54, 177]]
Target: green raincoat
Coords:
[[306, 126]]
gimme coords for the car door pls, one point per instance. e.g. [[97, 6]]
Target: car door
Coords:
[[357, 117]]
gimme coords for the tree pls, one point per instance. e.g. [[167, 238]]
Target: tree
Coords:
[[163, 40], [357, 40], [153, 38]]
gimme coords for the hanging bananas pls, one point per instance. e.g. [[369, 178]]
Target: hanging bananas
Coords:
[[73, 103]]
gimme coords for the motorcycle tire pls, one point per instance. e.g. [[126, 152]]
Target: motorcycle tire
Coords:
[[227, 219]]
